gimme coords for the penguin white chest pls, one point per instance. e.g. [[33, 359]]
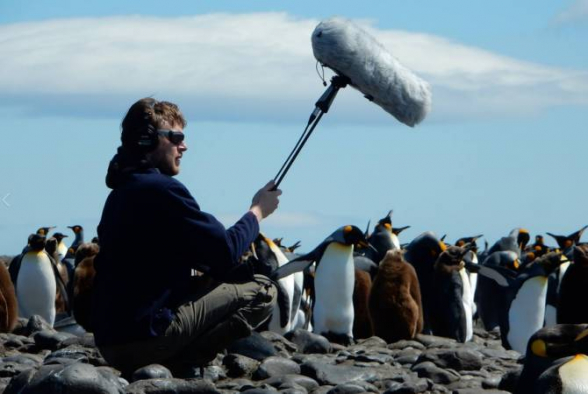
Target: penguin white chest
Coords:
[[334, 283], [527, 312], [467, 300], [36, 288], [574, 375]]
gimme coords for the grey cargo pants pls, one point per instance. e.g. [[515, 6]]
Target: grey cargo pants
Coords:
[[202, 326]]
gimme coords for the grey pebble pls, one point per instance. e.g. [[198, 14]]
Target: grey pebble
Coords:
[[276, 366]]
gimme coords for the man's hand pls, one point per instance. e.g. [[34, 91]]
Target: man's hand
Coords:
[[265, 201]]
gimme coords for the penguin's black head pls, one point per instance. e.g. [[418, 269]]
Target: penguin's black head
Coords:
[[76, 229], [59, 236], [560, 340], [385, 222], [451, 259], [468, 242], [352, 235], [551, 261], [51, 245], [43, 231], [264, 253], [523, 238], [581, 254], [426, 247], [37, 242]]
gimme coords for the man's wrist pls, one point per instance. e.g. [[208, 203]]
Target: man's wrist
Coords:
[[257, 212]]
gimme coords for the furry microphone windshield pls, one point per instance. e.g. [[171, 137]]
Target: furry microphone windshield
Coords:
[[351, 52]]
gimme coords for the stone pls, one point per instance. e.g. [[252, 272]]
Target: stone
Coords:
[[336, 374], [431, 341], [458, 359], [176, 386], [254, 346], [51, 340], [74, 378], [152, 371], [11, 368], [346, 388], [240, 366], [276, 366], [307, 342], [19, 382], [429, 370], [307, 383], [404, 344], [281, 344]]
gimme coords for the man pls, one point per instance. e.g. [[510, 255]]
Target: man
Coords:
[[148, 307]]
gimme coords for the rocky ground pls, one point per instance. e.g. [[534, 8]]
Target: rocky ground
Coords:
[[37, 359]]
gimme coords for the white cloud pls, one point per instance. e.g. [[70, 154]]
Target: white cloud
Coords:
[[576, 12], [247, 66]]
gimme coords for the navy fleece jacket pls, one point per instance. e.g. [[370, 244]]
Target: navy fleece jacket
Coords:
[[152, 233]]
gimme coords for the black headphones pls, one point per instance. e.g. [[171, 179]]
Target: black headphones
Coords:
[[148, 138]]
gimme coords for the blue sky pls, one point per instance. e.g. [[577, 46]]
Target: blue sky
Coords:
[[504, 145]]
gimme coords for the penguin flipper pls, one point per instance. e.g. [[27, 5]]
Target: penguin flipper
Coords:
[[14, 268], [502, 276], [284, 303], [290, 268]]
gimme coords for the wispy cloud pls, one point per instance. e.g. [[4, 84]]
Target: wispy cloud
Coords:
[[576, 12], [247, 67]]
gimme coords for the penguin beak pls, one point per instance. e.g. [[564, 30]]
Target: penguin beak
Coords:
[[366, 244]]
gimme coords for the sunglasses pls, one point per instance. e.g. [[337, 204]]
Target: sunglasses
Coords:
[[175, 137]]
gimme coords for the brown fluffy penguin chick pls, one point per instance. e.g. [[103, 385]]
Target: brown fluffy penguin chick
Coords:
[[8, 303], [395, 299], [82, 293], [571, 307], [362, 324], [87, 249]]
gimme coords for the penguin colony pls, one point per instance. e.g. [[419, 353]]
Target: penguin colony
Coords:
[[357, 284]]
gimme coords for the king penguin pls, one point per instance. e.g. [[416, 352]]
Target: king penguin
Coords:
[[395, 299], [8, 303], [566, 243], [422, 252], [545, 347], [572, 293], [334, 282], [61, 247], [528, 294], [452, 314], [383, 239], [568, 376], [36, 283], [285, 314]]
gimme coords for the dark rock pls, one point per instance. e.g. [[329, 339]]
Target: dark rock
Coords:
[[276, 366], [458, 359], [429, 370], [509, 380], [50, 339], [259, 390], [336, 374], [74, 378], [371, 342], [86, 340], [293, 390], [307, 383], [31, 360], [152, 371], [240, 366], [282, 345], [78, 353], [404, 343], [413, 387], [254, 346], [11, 368], [176, 386], [34, 324], [346, 388], [214, 373], [238, 384], [479, 391], [308, 342], [369, 357], [322, 389], [19, 382], [431, 341]]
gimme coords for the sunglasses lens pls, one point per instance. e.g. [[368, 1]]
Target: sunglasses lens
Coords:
[[176, 137]]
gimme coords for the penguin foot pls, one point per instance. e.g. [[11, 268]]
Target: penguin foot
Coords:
[[341, 339]]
